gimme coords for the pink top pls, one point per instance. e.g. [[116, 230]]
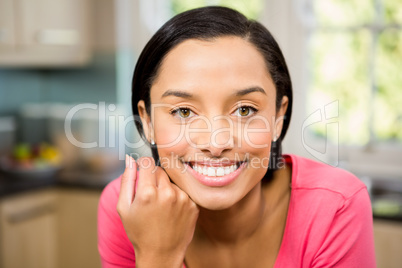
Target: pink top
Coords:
[[329, 222]]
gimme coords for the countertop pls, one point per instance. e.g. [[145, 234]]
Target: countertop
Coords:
[[386, 195], [10, 185]]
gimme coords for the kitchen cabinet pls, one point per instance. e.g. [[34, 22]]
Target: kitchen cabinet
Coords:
[[77, 230], [28, 230], [388, 243], [7, 29], [45, 33], [50, 228]]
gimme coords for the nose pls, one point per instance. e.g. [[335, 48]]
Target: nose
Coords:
[[219, 136]]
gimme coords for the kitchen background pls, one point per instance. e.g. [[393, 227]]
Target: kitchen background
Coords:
[[65, 125]]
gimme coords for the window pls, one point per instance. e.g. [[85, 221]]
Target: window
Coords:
[[355, 49]]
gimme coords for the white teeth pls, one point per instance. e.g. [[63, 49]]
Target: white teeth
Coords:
[[220, 171], [215, 171], [232, 168], [211, 172]]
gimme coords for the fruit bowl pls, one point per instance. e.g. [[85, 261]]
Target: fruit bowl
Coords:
[[31, 162], [34, 173]]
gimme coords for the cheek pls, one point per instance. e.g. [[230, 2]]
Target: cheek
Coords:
[[170, 155], [167, 134], [170, 142], [169, 137], [257, 140], [257, 133]]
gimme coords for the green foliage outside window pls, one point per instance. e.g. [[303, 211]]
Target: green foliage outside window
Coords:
[[388, 101], [356, 58]]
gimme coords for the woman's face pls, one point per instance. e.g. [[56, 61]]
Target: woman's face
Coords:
[[213, 118]]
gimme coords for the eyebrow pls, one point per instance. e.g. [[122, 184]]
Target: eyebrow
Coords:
[[246, 91], [178, 93], [186, 95]]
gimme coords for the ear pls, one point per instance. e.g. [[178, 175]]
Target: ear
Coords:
[[146, 121], [280, 117]]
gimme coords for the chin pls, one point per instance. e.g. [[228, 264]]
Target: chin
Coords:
[[215, 206], [216, 202]]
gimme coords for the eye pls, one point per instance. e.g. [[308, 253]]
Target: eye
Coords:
[[244, 111], [182, 112]]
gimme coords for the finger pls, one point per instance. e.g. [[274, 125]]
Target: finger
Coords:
[[162, 178], [128, 180], [146, 173], [182, 194], [176, 188]]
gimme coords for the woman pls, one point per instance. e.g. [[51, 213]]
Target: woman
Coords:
[[214, 97]]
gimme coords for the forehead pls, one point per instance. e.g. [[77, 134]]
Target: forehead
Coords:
[[222, 63]]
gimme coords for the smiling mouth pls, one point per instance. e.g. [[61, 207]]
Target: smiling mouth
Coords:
[[214, 170]]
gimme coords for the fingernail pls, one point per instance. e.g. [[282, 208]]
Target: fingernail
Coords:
[[127, 161], [131, 160]]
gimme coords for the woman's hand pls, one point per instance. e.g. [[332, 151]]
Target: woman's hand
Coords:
[[158, 217]]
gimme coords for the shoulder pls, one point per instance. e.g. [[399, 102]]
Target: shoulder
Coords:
[[329, 221], [108, 200], [110, 194], [114, 247], [107, 212], [310, 174], [112, 188]]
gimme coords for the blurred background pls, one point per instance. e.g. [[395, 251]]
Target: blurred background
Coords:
[[65, 112]]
